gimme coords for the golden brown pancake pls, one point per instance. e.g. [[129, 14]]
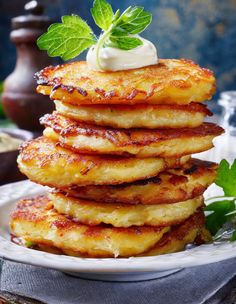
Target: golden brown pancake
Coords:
[[191, 232], [171, 186], [36, 221], [124, 215], [84, 138], [171, 81], [178, 237], [48, 164], [136, 116]]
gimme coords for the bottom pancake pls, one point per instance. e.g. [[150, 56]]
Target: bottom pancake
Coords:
[[191, 231], [123, 215], [35, 221]]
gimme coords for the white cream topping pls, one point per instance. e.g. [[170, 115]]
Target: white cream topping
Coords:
[[113, 59]]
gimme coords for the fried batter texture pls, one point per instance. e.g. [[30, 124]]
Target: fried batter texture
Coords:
[[48, 164], [179, 236], [171, 81], [36, 221], [124, 215], [136, 116], [84, 138], [171, 186]]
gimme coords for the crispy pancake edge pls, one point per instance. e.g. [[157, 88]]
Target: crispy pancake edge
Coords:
[[168, 187], [151, 84], [34, 218], [122, 137], [178, 236], [48, 164], [125, 215]]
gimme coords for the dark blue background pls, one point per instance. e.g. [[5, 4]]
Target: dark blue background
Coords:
[[203, 30]]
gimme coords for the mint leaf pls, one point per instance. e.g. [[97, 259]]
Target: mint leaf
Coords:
[[116, 16], [71, 37], [118, 32], [102, 14], [67, 39], [226, 177], [134, 20], [125, 43]]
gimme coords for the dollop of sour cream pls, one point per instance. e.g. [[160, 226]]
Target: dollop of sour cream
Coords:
[[113, 59]]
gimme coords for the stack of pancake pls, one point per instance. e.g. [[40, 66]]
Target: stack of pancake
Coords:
[[117, 155]]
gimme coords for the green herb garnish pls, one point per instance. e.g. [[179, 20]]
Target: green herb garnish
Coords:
[[223, 208], [71, 37], [29, 244], [226, 177], [67, 39]]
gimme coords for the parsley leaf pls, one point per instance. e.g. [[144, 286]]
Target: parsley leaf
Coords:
[[220, 214], [102, 14], [223, 206], [116, 16], [134, 20], [67, 39], [223, 210], [226, 177], [233, 237]]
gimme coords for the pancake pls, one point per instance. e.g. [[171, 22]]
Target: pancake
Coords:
[[46, 163], [84, 138], [171, 186], [36, 221], [191, 231], [172, 81], [124, 215], [136, 116]]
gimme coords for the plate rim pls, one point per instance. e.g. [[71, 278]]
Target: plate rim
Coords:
[[201, 255]]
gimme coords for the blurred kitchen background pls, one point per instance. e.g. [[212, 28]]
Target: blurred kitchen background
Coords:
[[201, 30]]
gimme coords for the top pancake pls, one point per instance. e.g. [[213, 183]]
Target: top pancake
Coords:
[[171, 81]]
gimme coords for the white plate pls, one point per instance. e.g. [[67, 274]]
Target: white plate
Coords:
[[125, 269]]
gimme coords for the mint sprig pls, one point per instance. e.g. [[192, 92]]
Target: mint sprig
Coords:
[[71, 37], [134, 20], [102, 14], [222, 209], [67, 39], [124, 43]]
